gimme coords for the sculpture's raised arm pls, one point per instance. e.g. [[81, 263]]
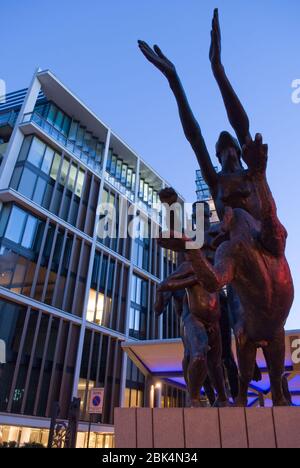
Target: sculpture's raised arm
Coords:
[[190, 125], [273, 235], [236, 113]]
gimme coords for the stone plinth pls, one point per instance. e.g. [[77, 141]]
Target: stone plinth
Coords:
[[207, 428]]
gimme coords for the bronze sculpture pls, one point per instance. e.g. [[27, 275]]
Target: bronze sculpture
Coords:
[[199, 312], [253, 261], [244, 195]]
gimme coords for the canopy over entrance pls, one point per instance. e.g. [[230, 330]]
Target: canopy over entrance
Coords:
[[162, 360]]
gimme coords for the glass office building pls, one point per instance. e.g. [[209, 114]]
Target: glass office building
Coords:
[[69, 296], [203, 194]]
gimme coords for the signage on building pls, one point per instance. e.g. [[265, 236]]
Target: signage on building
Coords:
[[96, 398], [2, 352], [295, 352]]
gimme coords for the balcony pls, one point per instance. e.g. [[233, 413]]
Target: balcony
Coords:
[[7, 123], [71, 146]]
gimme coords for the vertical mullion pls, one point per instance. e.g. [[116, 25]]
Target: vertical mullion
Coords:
[[106, 287], [59, 268], [78, 275], [125, 241], [18, 362], [65, 189], [120, 297], [88, 372], [98, 283], [66, 360], [99, 359], [118, 211], [69, 272], [81, 198], [113, 381], [26, 388], [73, 192], [58, 345], [150, 248], [39, 261], [106, 373], [62, 157], [50, 263], [37, 398], [89, 202], [148, 313], [113, 294]]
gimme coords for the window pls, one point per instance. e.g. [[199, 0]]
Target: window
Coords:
[[124, 174], [36, 152], [15, 225], [80, 182], [99, 152], [141, 192], [146, 189], [73, 131], [95, 307], [40, 190], [80, 135], [138, 309], [55, 166], [119, 169], [141, 246], [21, 228], [150, 200], [51, 114], [133, 182], [72, 177], [129, 179], [113, 166], [64, 171], [66, 125], [27, 182], [47, 162], [29, 232]]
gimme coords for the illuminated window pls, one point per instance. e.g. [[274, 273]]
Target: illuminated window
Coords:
[[95, 307]]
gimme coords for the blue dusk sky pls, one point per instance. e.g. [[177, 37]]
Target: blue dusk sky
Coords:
[[91, 46]]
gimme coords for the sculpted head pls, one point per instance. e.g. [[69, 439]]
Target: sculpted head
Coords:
[[168, 196], [228, 152]]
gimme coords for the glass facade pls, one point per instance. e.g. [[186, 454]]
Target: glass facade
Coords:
[[40, 360], [203, 194], [69, 294], [42, 261], [114, 233], [20, 436], [121, 175], [69, 132], [108, 293], [56, 183]]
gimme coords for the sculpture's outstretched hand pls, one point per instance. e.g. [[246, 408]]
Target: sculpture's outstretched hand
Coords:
[[157, 58], [255, 154], [215, 47]]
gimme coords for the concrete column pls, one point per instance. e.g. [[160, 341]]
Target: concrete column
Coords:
[[16, 140]]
